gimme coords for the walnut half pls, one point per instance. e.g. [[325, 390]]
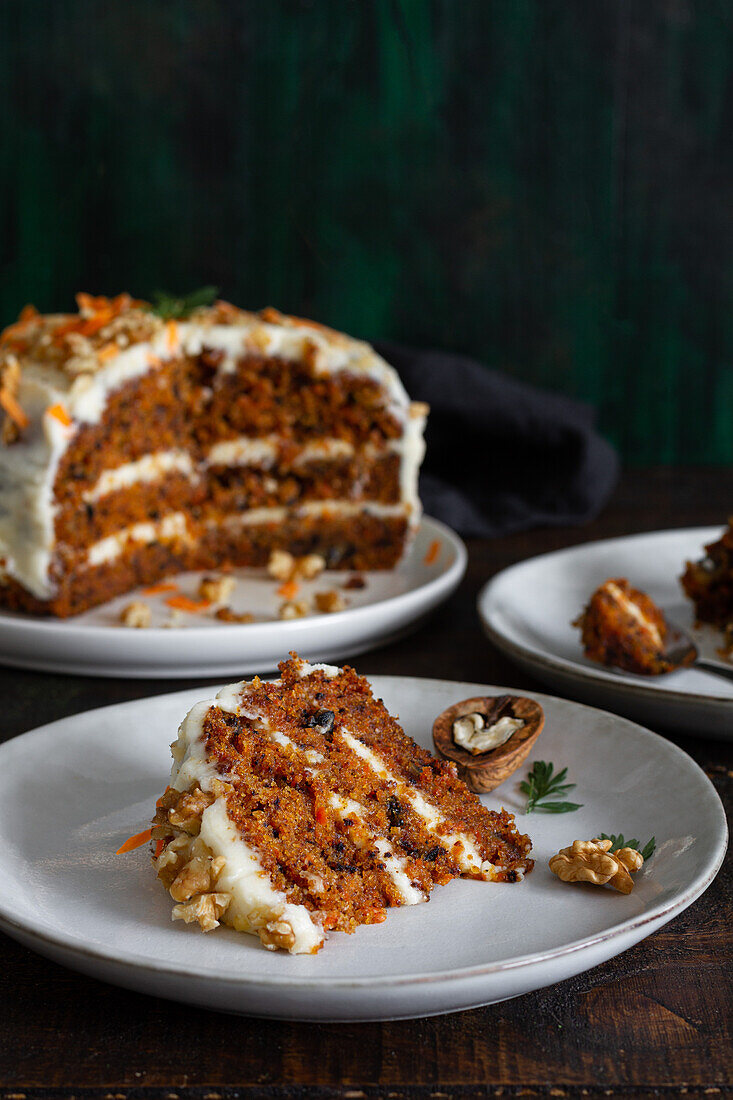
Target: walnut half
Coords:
[[591, 861]]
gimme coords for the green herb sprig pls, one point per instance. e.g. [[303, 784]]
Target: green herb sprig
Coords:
[[543, 783], [618, 842], [170, 308]]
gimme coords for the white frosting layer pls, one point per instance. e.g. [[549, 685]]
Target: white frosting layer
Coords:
[[255, 900], [147, 469], [277, 514], [461, 847], [171, 527], [263, 451], [28, 468]]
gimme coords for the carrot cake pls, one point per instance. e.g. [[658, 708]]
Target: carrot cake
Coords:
[[135, 447], [709, 584], [299, 805], [623, 627]]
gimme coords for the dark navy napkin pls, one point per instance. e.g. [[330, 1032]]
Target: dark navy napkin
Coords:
[[503, 456]]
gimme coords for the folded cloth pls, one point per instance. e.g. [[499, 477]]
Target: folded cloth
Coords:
[[503, 456]]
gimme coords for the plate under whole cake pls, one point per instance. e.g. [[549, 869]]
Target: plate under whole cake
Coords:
[[391, 603]]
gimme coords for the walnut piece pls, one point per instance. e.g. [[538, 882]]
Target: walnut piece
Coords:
[[205, 908], [281, 565], [310, 566], [294, 609], [186, 815], [329, 602], [226, 615], [217, 589], [591, 861], [137, 615], [277, 934]]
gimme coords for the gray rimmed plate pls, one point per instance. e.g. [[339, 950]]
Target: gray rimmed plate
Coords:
[[71, 792], [528, 609]]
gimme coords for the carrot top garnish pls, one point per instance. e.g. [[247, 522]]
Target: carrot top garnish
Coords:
[[136, 841], [185, 603], [58, 412]]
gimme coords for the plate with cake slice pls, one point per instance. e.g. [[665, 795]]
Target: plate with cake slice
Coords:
[[157, 465], [280, 863], [598, 622]]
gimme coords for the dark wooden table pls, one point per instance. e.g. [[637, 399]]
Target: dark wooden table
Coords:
[[656, 1021]]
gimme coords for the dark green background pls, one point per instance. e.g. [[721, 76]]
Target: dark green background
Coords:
[[543, 183]]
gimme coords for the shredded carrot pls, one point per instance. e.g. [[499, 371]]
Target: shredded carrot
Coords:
[[171, 333], [13, 409], [58, 412], [159, 846], [155, 589], [433, 553], [184, 603], [288, 589], [134, 842], [320, 815], [109, 351]]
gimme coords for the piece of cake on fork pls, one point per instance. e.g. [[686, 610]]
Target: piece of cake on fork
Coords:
[[299, 805]]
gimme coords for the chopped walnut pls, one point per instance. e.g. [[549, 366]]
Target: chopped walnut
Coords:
[[217, 589], [284, 566], [228, 616], [198, 874], [310, 566], [330, 601], [281, 565], [294, 609], [278, 934], [206, 909], [187, 813], [591, 861], [137, 615]]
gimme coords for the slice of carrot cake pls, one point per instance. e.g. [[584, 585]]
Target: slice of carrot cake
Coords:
[[299, 805], [709, 583], [134, 447]]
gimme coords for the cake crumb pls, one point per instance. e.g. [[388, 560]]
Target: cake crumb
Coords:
[[217, 589], [136, 615], [226, 615], [174, 620], [355, 581], [329, 601], [294, 609]]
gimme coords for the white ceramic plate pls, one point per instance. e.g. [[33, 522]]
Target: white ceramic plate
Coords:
[[71, 792], [96, 644], [527, 610]]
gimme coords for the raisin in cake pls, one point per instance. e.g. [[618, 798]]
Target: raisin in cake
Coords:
[[134, 448], [299, 805]]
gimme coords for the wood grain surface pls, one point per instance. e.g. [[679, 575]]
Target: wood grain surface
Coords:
[[656, 1021], [544, 184]]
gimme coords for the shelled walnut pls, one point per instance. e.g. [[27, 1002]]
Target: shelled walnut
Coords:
[[592, 861]]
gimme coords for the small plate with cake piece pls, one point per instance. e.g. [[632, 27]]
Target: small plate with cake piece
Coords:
[[355, 826], [532, 611], [185, 635]]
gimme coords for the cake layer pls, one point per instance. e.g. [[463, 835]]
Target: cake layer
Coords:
[[308, 783], [147, 552]]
